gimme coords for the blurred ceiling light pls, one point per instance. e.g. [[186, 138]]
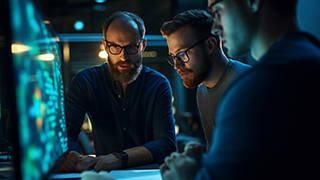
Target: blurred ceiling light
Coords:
[[78, 25], [150, 54], [19, 48], [100, 1], [45, 57], [66, 52], [176, 129], [57, 38], [103, 54], [101, 46], [99, 7]]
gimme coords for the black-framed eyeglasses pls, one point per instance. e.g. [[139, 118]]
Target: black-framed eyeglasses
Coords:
[[116, 49], [215, 12], [182, 56]]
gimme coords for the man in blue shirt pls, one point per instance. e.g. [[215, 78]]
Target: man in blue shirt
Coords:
[[268, 121], [129, 105]]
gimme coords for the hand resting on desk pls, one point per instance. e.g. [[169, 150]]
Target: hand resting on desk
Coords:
[[71, 161], [85, 163], [107, 163], [75, 162], [78, 163]]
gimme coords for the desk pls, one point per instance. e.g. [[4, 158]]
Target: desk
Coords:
[[147, 172]]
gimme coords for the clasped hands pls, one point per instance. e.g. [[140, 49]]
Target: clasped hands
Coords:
[[182, 166], [78, 163]]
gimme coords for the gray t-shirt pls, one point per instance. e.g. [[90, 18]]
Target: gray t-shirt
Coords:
[[208, 98]]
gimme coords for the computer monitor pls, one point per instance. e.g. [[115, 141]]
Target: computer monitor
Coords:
[[32, 78]]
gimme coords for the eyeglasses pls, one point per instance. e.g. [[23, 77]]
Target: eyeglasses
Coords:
[[182, 56], [215, 12], [116, 49]]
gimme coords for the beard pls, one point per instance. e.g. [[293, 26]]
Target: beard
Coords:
[[197, 76], [128, 75]]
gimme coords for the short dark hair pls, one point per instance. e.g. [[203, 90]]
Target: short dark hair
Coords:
[[124, 15], [200, 20]]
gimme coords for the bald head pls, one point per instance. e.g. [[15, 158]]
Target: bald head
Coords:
[[126, 20], [121, 30]]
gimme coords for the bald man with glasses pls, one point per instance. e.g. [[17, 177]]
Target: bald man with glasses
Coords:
[[129, 105]]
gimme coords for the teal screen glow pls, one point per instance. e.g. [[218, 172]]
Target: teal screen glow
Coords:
[[39, 91]]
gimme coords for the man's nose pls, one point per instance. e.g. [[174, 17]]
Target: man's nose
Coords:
[[123, 56], [177, 64]]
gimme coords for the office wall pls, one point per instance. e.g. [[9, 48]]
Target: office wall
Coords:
[[309, 16]]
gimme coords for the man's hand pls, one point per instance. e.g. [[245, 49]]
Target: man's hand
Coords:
[[70, 164], [85, 163], [193, 149], [107, 163], [182, 166]]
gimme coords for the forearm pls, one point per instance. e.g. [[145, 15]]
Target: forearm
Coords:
[[138, 156]]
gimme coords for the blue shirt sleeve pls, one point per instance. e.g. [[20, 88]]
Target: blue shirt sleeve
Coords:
[[76, 109], [163, 124]]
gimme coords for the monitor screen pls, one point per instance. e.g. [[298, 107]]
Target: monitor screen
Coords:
[[39, 119]]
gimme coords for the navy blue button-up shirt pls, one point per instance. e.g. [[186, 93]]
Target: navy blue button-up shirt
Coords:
[[140, 117]]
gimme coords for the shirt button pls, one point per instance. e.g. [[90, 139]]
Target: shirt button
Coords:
[[124, 128], [124, 109]]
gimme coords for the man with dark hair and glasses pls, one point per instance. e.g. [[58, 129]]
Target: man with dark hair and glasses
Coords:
[[268, 121], [129, 105], [198, 58]]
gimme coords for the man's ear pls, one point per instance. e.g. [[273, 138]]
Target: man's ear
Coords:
[[212, 44], [253, 5], [144, 44], [104, 44]]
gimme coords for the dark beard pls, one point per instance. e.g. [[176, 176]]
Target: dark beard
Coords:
[[128, 75], [196, 79]]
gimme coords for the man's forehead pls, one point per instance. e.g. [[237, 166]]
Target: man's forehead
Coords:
[[180, 40], [185, 35]]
